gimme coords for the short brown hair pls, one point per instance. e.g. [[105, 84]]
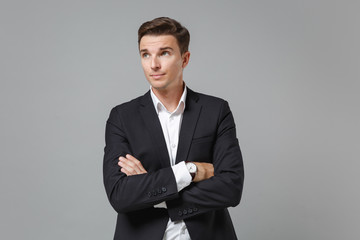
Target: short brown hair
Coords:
[[166, 26]]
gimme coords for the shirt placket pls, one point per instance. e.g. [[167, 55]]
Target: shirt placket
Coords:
[[173, 139]]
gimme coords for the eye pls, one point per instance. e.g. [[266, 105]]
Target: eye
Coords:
[[165, 53], [145, 55]]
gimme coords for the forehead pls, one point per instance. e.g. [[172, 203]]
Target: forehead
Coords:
[[154, 43]]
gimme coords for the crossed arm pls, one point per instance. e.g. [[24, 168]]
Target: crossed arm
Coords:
[[132, 166], [224, 175]]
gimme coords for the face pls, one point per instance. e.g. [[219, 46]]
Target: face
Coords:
[[162, 62]]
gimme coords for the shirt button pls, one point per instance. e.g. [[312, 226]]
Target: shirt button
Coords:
[[173, 145]]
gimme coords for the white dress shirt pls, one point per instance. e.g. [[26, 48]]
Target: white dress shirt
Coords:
[[171, 124]]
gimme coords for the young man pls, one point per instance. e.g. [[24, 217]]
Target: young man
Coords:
[[172, 161]]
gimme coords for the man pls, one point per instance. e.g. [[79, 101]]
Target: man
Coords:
[[172, 161]]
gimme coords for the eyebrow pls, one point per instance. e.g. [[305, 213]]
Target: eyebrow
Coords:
[[166, 48], [162, 49]]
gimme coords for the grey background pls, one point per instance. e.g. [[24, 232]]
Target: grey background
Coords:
[[289, 69]]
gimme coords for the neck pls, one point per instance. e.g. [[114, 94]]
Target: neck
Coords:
[[170, 97]]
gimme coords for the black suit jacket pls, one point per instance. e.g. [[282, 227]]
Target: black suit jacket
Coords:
[[207, 134]]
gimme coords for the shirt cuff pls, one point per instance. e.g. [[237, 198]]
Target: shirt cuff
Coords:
[[161, 205], [182, 175]]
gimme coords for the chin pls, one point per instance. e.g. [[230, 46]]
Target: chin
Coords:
[[158, 85]]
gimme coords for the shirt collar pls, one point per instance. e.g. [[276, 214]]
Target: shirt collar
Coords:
[[159, 106]]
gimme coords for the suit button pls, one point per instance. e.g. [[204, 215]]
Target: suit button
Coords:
[[190, 210], [180, 212], [163, 189], [159, 191], [195, 209], [154, 193], [149, 194], [185, 212]]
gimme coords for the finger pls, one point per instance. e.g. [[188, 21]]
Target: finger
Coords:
[[131, 157], [127, 161], [136, 162], [122, 169], [129, 166], [124, 163], [125, 171]]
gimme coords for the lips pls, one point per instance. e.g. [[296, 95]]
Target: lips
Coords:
[[157, 76]]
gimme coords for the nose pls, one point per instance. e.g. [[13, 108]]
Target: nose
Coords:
[[155, 63]]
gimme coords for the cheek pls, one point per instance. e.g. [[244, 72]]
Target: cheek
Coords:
[[144, 66], [179, 68], [175, 67]]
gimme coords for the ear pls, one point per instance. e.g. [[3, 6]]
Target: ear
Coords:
[[186, 59]]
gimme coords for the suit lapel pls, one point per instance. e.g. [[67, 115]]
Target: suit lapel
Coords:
[[188, 125], [152, 122]]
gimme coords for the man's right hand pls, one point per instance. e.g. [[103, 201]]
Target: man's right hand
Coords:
[[204, 171]]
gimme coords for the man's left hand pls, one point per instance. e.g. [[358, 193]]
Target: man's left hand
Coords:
[[130, 165]]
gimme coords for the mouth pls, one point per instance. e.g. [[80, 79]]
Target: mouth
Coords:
[[157, 76]]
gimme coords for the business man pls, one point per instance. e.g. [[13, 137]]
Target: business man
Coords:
[[172, 161]]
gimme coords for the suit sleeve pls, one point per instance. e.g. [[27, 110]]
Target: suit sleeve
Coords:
[[225, 188], [130, 193]]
